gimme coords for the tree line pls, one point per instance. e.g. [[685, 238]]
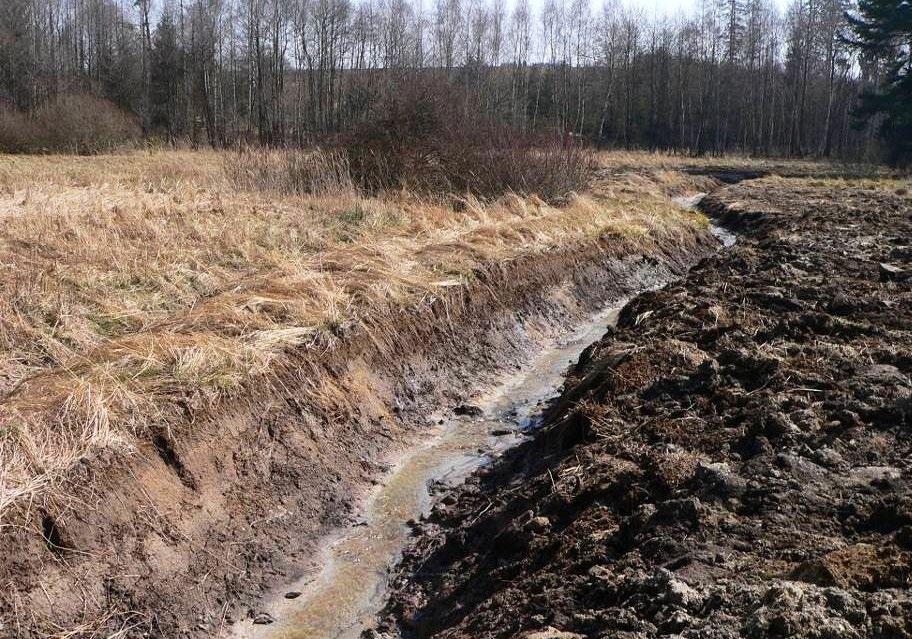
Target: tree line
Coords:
[[734, 75]]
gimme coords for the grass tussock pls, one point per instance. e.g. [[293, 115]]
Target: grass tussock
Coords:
[[290, 172], [130, 283]]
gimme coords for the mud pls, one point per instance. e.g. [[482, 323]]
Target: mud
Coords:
[[351, 587], [732, 461], [187, 536]]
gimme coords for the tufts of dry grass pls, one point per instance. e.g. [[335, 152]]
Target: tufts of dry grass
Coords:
[[131, 282], [653, 160], [293, 171]]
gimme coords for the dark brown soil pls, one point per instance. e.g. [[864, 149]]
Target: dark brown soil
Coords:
[[735, 460], [186, 535]]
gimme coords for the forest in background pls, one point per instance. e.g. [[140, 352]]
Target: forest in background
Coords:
[[735, 76]]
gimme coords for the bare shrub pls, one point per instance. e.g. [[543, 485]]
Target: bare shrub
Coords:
[[84, 124], [289, 171], [425, 138], [428, 138], [16, 131], [81, 124], [549, 167]]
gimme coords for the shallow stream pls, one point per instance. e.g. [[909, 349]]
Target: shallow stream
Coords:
[[342, 600]]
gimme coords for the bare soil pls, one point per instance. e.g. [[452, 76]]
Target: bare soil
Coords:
[[188, 534], [734, 460]]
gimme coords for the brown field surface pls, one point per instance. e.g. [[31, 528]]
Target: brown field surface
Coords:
[[131, 281]]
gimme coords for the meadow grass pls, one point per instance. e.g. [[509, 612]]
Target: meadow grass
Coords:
[[128, 280]]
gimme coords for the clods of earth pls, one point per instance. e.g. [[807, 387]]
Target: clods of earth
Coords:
[[734, 460]]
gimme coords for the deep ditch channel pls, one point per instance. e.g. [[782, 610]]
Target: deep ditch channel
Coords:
[[282, 515], [210, 531], [734, 459], [341, 598], [345, 595]]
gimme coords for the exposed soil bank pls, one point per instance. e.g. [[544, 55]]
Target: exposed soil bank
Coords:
[[351, 587], [184, 539], [734, 460]]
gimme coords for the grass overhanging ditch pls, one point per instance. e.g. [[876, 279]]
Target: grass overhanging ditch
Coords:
[[135, 285]]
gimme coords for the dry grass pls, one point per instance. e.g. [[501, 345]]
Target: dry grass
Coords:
[[295, 171], [620, 160], [129, 281], [893, 183]]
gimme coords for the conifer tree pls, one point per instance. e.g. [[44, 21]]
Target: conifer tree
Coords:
[[883, 28]]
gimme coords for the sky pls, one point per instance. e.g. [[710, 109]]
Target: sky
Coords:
[[665, 7], [659, 7]]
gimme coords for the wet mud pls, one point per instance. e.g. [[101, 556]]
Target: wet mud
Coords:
[[733, 460], [351, 586], [192, 536]]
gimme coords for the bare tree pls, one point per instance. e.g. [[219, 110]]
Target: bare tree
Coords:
[[733, 75]]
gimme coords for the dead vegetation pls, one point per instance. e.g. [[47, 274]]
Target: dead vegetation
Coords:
[[78, 123], [426, 140], [134, 283], [290, 172], [432, 139]]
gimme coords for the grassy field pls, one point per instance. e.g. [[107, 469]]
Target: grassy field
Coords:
[[129, 280]]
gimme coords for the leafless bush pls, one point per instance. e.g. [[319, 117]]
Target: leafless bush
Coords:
[[429, 139], [16, 131], [84, 124], [81, 124], [290, 171], [549, 167]]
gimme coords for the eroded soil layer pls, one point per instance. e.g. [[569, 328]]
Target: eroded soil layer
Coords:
[[733, 460], [186, 536]]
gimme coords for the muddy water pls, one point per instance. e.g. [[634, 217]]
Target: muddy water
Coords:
[[342, 600], [692, 202]]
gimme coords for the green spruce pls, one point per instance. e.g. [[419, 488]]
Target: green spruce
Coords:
[[883, 29]]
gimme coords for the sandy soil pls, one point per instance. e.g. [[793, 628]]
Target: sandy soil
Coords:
[[734, 460]]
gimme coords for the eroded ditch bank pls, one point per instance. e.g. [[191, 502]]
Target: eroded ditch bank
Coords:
[[186, 539], [343, 598], [732, 461]]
